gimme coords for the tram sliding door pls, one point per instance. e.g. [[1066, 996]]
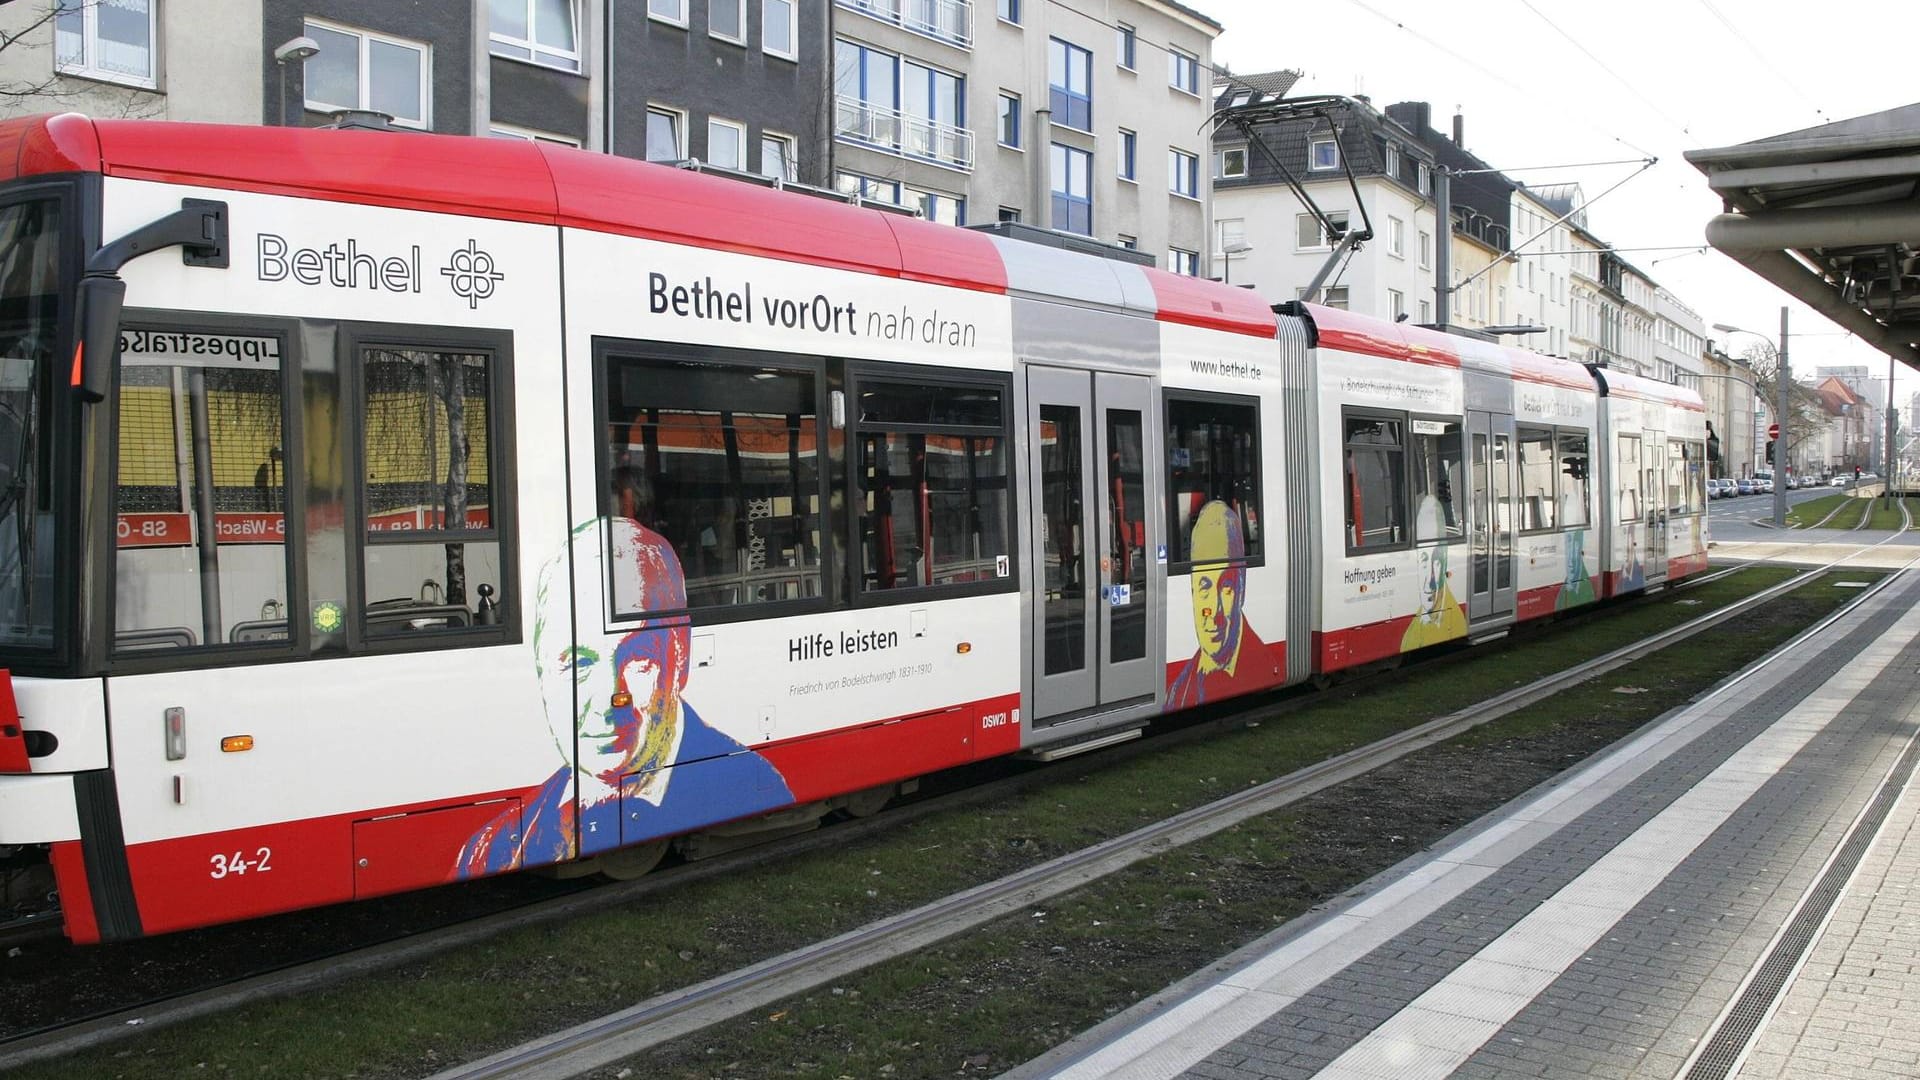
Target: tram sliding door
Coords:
[[1654, 497], [1096, 600], [1490, 439]]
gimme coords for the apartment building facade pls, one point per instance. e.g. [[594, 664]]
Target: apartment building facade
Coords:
[[1083, 117], [1078, 118], [1267, 238]]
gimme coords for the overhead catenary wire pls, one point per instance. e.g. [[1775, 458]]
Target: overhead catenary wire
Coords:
[[1769, 64], [1604, 66], [1525, 92]]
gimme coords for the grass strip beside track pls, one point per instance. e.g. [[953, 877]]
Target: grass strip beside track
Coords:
[[1887, 515], [995, 997]]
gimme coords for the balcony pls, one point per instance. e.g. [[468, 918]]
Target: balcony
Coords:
[[892, 131], [950, 21]]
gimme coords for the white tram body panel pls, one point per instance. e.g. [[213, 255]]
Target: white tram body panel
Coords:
[[1395, 576], [332, 739], [566, 504], [1655, 442]]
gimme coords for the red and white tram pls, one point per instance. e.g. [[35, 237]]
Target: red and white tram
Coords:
[[378, 511]]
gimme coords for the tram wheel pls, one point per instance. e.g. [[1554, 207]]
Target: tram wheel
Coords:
[[630, 863], [1322, 681], [869, 802]]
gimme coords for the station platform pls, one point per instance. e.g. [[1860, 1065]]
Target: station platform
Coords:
[[1733, 891]]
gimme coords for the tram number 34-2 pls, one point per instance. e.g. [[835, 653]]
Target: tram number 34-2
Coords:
[[238, 863]]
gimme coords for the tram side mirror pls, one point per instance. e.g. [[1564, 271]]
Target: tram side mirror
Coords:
[[101, 298]]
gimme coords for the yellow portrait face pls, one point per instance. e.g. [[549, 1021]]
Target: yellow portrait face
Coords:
[[1215, 586]]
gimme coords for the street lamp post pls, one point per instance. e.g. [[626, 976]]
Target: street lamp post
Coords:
[[296, 50], [1781, 379]]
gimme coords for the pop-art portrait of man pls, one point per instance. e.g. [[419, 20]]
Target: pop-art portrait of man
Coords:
[[1231, 658], [615, 710], [1577, 589], [1441, 618]]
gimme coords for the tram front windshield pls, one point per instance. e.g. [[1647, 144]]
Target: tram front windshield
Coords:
[[29, 324]]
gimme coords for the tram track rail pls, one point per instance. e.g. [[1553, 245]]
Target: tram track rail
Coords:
[[671, 1014], [668, 1016]]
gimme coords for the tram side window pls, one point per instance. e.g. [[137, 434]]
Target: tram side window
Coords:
[[1628, 475], [931, 483], [722, 462], [1213, 455], [1538, 498], [1375, 483], [433, 555], [1679, 462], [1437, 468], [200, 493], [1576, 480], [1697, 478]]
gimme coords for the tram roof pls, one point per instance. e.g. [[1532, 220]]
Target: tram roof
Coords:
[[548, 184], [1344, 330]]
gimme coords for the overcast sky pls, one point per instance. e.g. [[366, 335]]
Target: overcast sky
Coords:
[[1559, 83]]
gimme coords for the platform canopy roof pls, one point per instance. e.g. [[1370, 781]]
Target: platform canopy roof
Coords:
[[1831, 214]]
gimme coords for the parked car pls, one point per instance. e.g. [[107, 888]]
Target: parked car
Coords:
[[1724, 488], [1744, 486], [1839, 481]]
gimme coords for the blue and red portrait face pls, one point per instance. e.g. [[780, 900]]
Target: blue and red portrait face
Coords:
[[614, 698]]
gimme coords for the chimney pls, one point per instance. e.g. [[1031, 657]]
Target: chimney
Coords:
[[1460, 130]]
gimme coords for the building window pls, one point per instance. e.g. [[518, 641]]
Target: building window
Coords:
[[932, 498], [779, 29], [1213, 455], [1426, 249], [937, 206], [1183, 71], [508, 131], [1312, 235], [727, 20], [1233, 163], [776, 157], [106, 39], [1396, 304], [1070, 84], [1129, 155], [1426, 179], [1010, 120], [1396, 238], [720, 462], [726, 143], [665, 130], [1123, 45], [540, 31], [1010, 11], [1183, 262], [1375, 487], [1333, 296], [1010, 214], [356, 69], [1072, 190], [1131, 243], [1391, 160], [1183, 173], [673, 11], [895, 104], [1426, 312], [1323, 154], [869, 188]]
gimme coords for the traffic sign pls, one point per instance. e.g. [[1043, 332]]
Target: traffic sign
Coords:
[[1773, 431]]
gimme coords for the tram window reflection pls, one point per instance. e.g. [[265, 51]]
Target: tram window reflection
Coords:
[[1213, 455], [723, 461]]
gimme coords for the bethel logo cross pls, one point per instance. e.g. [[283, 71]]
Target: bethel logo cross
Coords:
[[470, 274]]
